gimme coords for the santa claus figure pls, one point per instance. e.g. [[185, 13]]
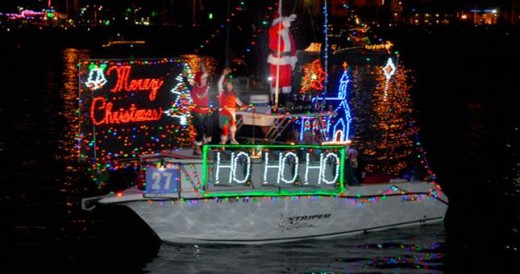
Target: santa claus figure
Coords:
[[282, 58]]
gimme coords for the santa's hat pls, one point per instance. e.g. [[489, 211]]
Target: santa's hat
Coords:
[[199, 76]]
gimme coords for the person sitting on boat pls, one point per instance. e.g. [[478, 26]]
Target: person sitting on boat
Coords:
[[200, 115], [229, 102], [282, 59], [351, 167]]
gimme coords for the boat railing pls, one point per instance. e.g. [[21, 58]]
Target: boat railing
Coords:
[[246, 170], [167, 176]]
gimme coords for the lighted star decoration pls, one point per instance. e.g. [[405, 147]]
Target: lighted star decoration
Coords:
[[313, 77], [389, 71], [96, 77]]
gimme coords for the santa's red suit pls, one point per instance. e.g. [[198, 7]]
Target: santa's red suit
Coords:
[[283, 53]]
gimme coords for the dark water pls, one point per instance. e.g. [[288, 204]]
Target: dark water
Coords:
[[412, 250], [466, 94]]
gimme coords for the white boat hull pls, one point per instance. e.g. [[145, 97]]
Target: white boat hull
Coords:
[[261, 220]]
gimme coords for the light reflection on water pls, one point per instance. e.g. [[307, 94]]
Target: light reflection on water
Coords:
[[406, 250]]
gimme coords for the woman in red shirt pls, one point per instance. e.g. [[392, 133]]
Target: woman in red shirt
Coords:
[[200, 115], [229, 103]]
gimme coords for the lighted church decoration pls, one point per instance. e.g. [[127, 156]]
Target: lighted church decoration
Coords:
[[338, 124]]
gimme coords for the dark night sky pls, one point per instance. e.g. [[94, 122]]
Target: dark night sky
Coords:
[[10, 5]]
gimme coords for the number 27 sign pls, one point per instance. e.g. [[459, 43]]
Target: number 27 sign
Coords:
[[161, 181]]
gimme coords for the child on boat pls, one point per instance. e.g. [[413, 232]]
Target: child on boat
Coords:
[[229, 102]]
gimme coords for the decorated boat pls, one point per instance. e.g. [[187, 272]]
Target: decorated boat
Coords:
[[289, 193], [265, 190], [309, 169]]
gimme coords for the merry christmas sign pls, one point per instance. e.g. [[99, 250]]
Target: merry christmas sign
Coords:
[[129, 107]]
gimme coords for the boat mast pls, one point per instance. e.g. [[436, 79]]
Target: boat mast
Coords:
[[326, 48], [227, 33], [277, 84]]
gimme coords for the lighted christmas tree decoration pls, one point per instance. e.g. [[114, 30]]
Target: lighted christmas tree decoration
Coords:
[[386, 132], [183, 103]]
